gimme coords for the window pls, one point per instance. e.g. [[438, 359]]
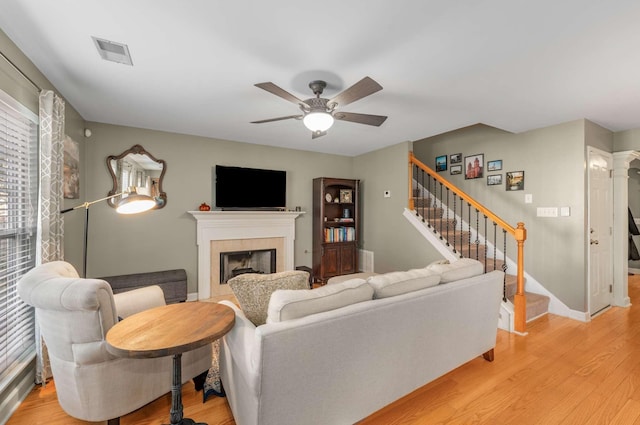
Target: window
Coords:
[[18, 209]]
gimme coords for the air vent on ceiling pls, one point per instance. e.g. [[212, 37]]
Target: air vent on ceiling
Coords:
[[112, 51]]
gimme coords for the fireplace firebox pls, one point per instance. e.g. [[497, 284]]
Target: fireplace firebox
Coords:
[[236, 263]]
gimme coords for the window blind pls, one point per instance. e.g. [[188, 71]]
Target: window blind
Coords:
[[18, 209]]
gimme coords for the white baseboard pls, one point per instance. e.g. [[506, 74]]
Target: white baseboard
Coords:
[[192, 296], [634, 271]]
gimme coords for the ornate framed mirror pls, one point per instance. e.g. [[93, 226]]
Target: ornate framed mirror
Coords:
[[137, 168]]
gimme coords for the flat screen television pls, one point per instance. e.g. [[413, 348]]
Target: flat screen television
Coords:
[[239, 188]]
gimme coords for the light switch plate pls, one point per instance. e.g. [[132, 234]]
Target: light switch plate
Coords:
[[387, 194], [528, 198], [565, 211], [547, 212]]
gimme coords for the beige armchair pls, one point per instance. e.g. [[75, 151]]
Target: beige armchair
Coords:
[[74, 315]]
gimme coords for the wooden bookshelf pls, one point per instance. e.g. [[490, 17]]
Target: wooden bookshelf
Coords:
[[335, 227]]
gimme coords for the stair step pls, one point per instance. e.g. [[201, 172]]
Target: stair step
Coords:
[[442, 223], [429, 212], [422, 202], [537, 304]]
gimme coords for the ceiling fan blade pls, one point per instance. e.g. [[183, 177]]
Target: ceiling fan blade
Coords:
[[376, 120], [277, 119], [316, 134], [361, 89], [272, 88]]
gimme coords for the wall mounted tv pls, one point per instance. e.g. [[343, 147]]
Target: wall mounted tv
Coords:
[[238, 188]]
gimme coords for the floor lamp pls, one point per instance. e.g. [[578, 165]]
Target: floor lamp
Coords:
[[133, 203]]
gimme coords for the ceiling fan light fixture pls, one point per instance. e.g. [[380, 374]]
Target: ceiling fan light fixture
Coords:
[[318, 121]]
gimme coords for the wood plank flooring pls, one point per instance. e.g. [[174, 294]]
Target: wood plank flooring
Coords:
[[564, 372]]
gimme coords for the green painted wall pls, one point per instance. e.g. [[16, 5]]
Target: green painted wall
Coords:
[[553, 160], [395, 242], [166, 238]]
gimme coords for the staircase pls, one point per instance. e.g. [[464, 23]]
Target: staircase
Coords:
[[464, 228]]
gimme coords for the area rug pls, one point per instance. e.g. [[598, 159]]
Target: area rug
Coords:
[[212, 384]]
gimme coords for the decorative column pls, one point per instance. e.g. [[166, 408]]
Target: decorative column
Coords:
[[621, 161]]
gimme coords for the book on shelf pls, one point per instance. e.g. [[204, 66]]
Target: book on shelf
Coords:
[[339, 234]]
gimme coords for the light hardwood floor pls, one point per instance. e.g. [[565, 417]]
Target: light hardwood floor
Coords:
[[564, 372]]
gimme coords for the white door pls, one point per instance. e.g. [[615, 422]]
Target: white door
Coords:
[[600, 240]]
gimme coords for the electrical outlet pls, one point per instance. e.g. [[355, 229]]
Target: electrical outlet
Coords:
[[387, 194]]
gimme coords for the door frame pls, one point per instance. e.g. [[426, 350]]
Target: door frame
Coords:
[[611, 163]]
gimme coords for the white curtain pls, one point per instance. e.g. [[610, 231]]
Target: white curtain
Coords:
[[51, 226]]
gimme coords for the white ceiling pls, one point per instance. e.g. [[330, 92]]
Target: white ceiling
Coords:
[[512, 64]]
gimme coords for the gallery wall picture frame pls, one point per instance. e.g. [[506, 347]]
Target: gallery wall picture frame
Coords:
[[494, 179], [455, 158], [514, 180], [494, 165], [455, 169], [474, 166], [441, 163]]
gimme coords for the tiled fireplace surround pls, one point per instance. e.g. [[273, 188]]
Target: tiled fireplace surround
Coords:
[[223, 231]]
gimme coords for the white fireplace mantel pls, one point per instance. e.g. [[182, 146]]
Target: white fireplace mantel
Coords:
[[230, 225]]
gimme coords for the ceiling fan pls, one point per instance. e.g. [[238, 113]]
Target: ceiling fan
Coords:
[[318, 113]]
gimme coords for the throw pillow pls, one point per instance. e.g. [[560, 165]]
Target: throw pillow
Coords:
[[459, 269], [287, 305], [253, 291], [396, 283]]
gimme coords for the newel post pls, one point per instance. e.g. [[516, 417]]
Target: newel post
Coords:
[[411, 204], [520, 301]]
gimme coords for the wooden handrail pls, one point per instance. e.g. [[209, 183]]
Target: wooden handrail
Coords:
[[519, 233]]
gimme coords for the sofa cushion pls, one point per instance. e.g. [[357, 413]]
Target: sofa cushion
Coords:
[[462, 268], [287, 304], [396, 283], [345, 277], [253, 290]]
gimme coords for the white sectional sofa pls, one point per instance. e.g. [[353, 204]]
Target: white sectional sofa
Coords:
[[339, 366]]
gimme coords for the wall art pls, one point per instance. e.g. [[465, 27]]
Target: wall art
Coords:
[[515, 180], [494, 179], [474, 166], [494, 165], [71, 169]]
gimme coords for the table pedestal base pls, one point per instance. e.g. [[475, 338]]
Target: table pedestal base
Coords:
[[176, 395], [187, 421]]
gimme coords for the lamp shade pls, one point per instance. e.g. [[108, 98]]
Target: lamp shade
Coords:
[[135, 203], [318, 121]]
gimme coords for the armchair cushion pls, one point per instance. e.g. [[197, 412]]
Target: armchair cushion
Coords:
[[137, 300]]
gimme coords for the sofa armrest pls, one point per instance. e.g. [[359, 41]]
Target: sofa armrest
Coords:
[[241, 342], [137, 300]]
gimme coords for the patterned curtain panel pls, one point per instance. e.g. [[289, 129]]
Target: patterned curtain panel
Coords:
[[51, 226]]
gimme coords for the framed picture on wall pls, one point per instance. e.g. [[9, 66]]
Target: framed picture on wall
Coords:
[[515, 180], [494, 165], [494, 179], [455, 158], [441, 163], [455, 169], [474, 166], [71, 169]]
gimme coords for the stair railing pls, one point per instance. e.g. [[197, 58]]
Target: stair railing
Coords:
[[440, 202]]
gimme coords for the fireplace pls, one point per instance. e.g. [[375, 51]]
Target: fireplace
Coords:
[[232, 231], [235, 263]]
